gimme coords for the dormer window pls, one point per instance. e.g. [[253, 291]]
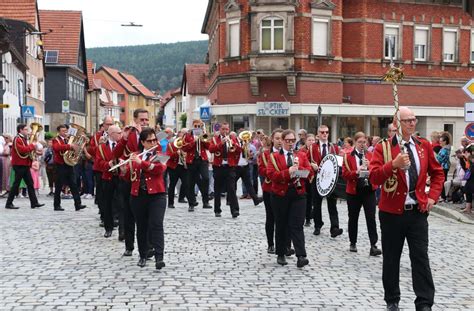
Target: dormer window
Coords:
[[272, 35]]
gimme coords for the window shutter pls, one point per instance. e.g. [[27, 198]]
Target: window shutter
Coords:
[[234, 44], [320, 38], [449, 43], [421, 36]]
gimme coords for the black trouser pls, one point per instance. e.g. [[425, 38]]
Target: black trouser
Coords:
[[269, 218], [127, 220], [65, 176], [289, 214], [98, 190], [332, 209], [244, 173], [254, 178], [412, 226], [178, 173], [366, 198], [309, 198], [198, 173], [224, 179], [149, 211], [110, 188], [22, 172], [443, 193]]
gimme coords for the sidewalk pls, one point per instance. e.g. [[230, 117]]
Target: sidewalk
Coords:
[[453, 211]]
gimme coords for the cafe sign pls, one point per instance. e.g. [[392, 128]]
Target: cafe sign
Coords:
[[273, 109]]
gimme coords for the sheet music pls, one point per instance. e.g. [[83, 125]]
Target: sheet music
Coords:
[[300, 174], [72, 131]]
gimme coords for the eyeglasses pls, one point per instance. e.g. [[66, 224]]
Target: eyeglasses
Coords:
[[151, 140], [324, 132], [290, 141], [407, 121], [144, 119]]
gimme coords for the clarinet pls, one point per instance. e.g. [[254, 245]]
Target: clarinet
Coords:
[[297, 180], [366, 180]]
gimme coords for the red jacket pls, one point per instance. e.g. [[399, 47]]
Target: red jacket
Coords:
[[217, 148], [349, 171], [94, 143], [60, 146], [279, 173], [263, 161], [126, 146], [172, 152], [314, 154], [21, 151], [103, 156], [393, 202], [153, 177], [190, 148]]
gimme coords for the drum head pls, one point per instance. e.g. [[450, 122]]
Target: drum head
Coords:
[[328, 173]]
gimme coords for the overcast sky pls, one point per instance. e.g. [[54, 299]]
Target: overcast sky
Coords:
[[163, 21]]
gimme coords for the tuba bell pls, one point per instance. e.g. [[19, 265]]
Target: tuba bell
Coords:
[[71, 157], [245, 136], [35, 129]]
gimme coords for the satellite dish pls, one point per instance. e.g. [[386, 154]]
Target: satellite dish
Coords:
[[8, 57]]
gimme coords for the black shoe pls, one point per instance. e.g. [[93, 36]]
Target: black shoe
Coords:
[[194, 204], [182, 201], [79, 207], [290, 252], [11, 206], [127, 253], [218, 214], [171, 206], [307, 223], [151, 253], [374, 251], [281, 260], [159, 264], [107, 234], [317, 231], [101, 224], [235, 215], [36, 205], [271, 249], [121, 237], [392, 306], [116, 223], [336, 232], [353, 248], [211, 197], [191, 208], [423, 308], [257, 201], [302, 261], [58, 208], [207, 206], [142, 262]]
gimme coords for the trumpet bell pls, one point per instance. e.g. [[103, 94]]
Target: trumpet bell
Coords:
[[178, 143], [245, 136]]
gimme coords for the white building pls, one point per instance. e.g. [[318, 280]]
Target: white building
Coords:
[[13, 77], [194, 90]]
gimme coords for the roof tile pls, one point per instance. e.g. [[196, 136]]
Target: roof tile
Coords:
[[196, 78], [22, 10]]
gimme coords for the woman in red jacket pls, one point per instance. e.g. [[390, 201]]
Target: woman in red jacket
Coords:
[[148, 197], [289, 197], [360, 192]]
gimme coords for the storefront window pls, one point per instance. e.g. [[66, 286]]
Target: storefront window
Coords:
[[379, 125], [348, 126], [310, 123], [279, 123], [240, 122]]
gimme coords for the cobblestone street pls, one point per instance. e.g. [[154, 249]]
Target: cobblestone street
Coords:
[[61, 260]]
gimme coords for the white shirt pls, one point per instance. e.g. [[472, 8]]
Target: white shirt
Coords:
[[408, 199], [225, 161], [285, 152], [357, 158], [145, 152], [242, 161], [111, 144], [321, 143]]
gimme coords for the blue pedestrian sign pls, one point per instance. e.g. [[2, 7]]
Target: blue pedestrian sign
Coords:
[[205, 113], [28, 111]]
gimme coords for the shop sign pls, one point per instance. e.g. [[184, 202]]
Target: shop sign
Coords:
[[273, 109]]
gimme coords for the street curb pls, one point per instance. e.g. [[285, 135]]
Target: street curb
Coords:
[[446, 212]]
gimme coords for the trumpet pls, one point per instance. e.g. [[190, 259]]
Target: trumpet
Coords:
[[229, 144], [364, 168]]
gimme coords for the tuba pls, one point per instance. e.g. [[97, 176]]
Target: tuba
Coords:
[[35, 129], [71, 157], [245, 137]]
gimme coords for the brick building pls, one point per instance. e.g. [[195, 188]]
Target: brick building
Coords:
[[274, 62]]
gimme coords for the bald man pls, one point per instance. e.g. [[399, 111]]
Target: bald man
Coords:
[[392, 130], [404, 208]]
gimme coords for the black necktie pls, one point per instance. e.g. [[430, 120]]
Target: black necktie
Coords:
[[224, 152], [360, 157], [412, 173], [113, 145], [142, 175], [325, 152], [289, 159]]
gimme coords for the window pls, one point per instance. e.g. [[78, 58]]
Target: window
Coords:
[[391, 42], [272, 35], [71, 88], [51, 57], [234, 39], [449, 45], [200, 101], [421, 43], [472, 46], [320, 36], [120, 98]]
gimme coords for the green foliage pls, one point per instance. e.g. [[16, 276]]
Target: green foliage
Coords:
[[183, 118], [49, 135], [157, 66]]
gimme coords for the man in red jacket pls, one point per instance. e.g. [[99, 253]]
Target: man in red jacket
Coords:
[[21, 162], [64, 172], [404, 208]]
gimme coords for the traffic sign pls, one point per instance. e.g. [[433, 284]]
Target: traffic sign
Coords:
[[469, 132], [469, 88], [4, 106], [205, 113], [469, 112], [28, 111], [217, 127], [65, 106]]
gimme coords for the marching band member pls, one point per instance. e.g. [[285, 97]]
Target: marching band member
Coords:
[[198, 165], [130, 136], [148, 198], [64, 172], [360, 193], [317, 152], [243, 171], [269, 145], [110, 180], [310, 140], [177, 169], [21, 163], [289, 200], [404, 208], [226, 151]]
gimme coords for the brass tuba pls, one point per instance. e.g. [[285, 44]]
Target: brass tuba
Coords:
[[71, 157], [245, 136], [35, 129]]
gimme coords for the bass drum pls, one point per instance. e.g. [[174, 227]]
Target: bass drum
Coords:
[[340, 190], [328, 174]]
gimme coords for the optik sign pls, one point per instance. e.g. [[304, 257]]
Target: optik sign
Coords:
[[273, 109]]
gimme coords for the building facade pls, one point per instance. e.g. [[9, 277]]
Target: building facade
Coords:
[[274, 63], [194, 90]]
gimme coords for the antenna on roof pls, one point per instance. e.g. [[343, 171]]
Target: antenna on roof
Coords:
[[131, 24]]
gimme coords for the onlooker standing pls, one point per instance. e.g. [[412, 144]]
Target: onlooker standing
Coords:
[[469, 188], [5, 155], [302, 134], [435, 137], [443, 157], [88, 173], [50, 168]]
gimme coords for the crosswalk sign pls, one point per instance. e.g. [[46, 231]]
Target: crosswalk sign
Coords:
[[205, 113], [28, 111]]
